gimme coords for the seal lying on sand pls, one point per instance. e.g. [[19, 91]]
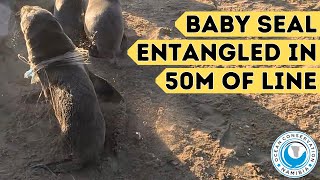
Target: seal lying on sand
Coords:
[[69, 14], [104, 26], [65, 82]]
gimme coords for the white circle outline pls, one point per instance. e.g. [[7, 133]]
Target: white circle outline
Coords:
[[308, 137], [304, 143]]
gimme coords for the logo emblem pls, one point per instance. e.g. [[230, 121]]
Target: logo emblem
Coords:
[[294, 154]]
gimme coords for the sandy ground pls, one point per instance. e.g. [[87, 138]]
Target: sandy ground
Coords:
[[154, 135]]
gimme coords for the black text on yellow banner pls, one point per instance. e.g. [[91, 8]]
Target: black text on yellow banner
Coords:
[[221, 52], [249, 23], [239, 80]]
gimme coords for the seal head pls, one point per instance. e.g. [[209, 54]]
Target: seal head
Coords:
[[42, 32]]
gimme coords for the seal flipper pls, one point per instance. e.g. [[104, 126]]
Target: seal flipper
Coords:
[[103, 89]]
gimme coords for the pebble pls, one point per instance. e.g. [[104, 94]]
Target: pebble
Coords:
[[174, 162], [138, 136]]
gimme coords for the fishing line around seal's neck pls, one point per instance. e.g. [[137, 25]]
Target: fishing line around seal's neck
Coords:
[[76, 57]]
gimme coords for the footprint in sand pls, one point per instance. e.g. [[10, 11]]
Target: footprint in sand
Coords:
[[214, 121]]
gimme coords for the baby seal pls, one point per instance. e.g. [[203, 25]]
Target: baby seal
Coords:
[[65, 83], [69, 14], [104, 26]]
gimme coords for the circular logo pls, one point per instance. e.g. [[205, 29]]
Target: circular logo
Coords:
[[294, 154]]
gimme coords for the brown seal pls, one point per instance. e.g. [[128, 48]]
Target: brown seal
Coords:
[[67, 85], [70, 16], [104, 26]]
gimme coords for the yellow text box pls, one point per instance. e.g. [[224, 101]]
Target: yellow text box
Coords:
[[222, 52], [249, 23], [239, 81]]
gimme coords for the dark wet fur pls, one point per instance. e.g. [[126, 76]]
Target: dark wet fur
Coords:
[[70, 17], [106, 29]]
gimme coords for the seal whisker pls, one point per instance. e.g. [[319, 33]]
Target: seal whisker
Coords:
[[18, 14], [23, 59], [43, 166], [39, 97], [72, 177]]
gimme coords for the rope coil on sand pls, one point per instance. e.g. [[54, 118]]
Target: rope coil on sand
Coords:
[[76, 57]]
